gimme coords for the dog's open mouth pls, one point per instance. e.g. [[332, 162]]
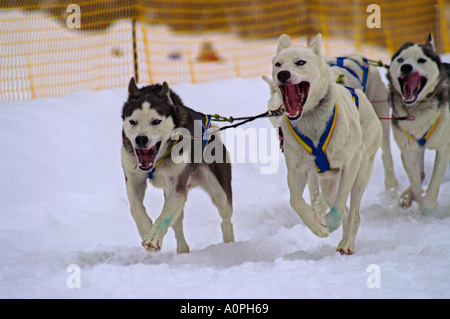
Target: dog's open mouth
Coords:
[[411, 86], [146, 157], [294, 98]]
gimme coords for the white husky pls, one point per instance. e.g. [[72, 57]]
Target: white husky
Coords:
[[354, 71], [325, 135]]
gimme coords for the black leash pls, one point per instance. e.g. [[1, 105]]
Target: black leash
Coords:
[[278, 112], [400, 118], [378, 63], [244, 119]]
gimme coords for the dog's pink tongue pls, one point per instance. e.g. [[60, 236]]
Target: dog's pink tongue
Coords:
[[292, 99], [410, 85], [145, 157]]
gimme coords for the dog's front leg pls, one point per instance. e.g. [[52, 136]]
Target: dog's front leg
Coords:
[[136, 185], [383, 111], [407, 197], [413, 163], [429, 201], [173, 207], [316, 223], [318, 203], [348, 176]]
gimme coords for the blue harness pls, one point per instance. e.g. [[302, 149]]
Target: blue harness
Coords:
[[423, 140], [364, 65], [354, 95], [206, 126], [319, 151]]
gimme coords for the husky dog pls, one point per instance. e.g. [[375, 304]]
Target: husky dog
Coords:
[[151, 116], [326, 135], [419, 86], [354, 71]]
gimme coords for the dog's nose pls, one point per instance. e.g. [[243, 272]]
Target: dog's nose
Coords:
[[283, 76], [406, 69], [141, 140]]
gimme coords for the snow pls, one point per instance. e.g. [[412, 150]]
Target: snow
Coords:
[[63, 202]]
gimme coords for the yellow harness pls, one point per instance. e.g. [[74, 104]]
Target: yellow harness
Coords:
[[423, 140], [318, 151]]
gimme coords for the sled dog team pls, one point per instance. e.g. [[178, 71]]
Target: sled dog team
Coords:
[[329, 132]]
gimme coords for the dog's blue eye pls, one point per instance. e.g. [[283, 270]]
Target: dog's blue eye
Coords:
[[421, 60], [400, 60], [133, 122], [156, 122], [300, 62]]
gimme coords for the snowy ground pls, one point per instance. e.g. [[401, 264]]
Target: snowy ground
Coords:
[[63, 202]]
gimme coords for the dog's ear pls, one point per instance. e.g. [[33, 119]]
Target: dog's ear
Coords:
[[269, 81], [284, 41], [164, 92], [316, 43], [430, 42], [133, 90]]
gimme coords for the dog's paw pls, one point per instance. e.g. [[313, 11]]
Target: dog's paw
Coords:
[[428, 206], [182, 248], [318, 225], [152, 243], [227, 232], [333, 219], [346, 247], [406, 199]]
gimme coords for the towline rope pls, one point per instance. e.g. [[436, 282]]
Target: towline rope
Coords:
[[245, 119]]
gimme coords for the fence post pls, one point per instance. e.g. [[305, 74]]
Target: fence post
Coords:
[[133, 31], [147, 53], [440, 8]]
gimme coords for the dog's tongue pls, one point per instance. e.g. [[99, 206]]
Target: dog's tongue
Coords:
[[410, 85], [293, 99], [146, 157]]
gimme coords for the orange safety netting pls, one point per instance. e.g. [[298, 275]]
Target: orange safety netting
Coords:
[[188, 40]]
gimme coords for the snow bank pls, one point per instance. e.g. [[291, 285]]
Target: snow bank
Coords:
[[63, 202]]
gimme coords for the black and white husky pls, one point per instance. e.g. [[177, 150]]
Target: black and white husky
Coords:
[[151, 117], [419, 87]]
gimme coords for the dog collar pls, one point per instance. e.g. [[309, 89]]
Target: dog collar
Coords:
[[423, 140], [319, 151]]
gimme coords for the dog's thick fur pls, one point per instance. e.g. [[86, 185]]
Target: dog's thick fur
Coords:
[[410, 95], [150, 117], [376, 92], [351, 149]]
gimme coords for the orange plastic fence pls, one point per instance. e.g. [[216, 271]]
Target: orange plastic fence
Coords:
[[44, 52]]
